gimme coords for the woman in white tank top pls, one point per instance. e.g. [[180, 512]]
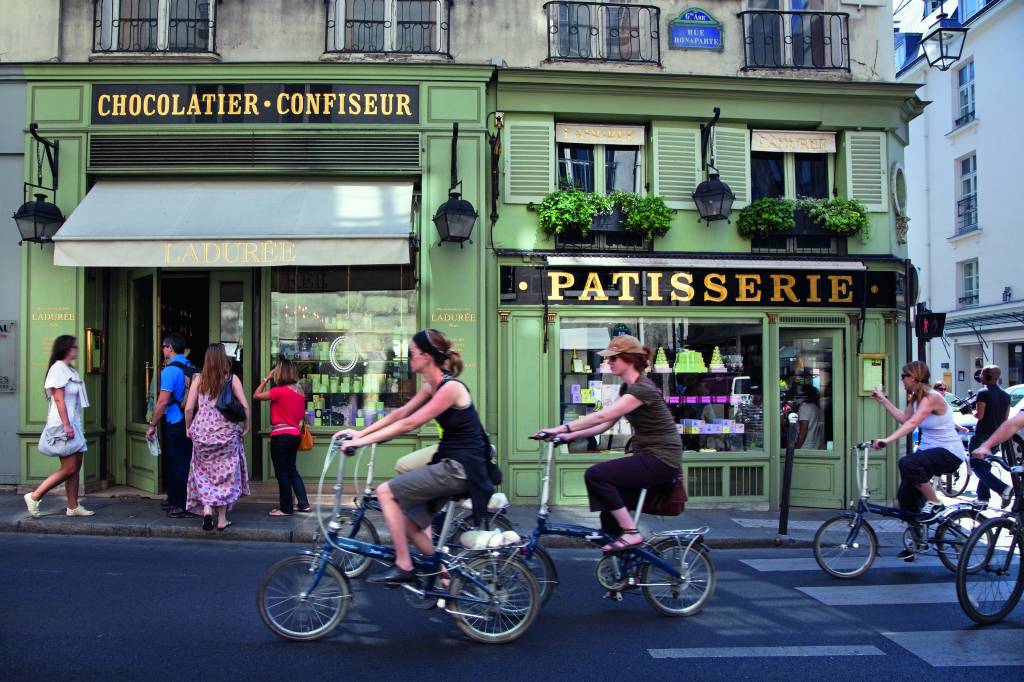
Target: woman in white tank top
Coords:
[[941, 450]]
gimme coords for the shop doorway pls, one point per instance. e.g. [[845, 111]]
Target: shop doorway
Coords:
[[812, 384], [205, 307]]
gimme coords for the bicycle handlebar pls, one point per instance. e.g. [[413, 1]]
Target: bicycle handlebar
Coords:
[[554, 440]]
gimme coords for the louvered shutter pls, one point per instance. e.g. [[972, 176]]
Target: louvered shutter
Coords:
[[529, 160], [866, 170], [677, 169], [732, 158]]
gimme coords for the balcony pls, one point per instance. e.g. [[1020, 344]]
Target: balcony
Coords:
[[968, 300], [964, 120], [388, 27], [966, 215], [815, 41], [603, 32], [152, 26]]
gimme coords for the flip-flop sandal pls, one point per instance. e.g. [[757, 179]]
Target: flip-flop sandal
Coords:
[[307, 510], [225, 526], [207, 521], [276, 512]]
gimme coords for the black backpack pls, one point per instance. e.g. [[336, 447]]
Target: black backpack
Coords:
[[189, 371]]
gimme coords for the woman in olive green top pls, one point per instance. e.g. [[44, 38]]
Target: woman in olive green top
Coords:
[[657, 450]]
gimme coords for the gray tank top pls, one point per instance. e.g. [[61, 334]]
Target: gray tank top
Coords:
[[939, 431]]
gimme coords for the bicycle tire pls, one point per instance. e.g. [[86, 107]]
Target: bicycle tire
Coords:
[[331, 594], [977, 590], [543, 568], [959, 526], [355, 565], [691, 560], [829, 562], [506, 576], [955, 484]]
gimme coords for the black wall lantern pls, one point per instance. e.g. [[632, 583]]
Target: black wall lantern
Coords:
[[713, 197], [944, 43], [39, 220], [456, 217]]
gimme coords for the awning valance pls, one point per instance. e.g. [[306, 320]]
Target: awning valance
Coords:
[[237, 223]]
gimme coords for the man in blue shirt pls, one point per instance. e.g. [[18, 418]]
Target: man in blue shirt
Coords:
[[169, 412]]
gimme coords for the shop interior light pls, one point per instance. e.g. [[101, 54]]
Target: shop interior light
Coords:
[[456, 217], [713, 198], [944, 43], [38, 220]]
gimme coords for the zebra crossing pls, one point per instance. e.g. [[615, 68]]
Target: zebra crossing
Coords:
[[897, 614]]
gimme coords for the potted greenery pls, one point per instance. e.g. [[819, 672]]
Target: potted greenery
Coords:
[[646, 215], [765, 217], [839, 216], [569, 211]]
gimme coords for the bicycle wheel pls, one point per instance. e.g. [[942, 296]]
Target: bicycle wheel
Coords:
[[952, 535], [512, 599], [543, 568], [295, 608], [988, 593], [839, 554], [954, 484], [355, 565], [687, 594]]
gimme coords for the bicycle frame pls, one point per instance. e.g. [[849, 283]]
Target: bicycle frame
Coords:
[[598, 536]]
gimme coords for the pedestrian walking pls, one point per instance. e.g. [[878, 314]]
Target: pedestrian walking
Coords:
[[175, 379], [218, 476], [993, 408], [63, 436], [287, 412]]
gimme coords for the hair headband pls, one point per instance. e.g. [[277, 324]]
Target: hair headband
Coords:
[[422, 341]]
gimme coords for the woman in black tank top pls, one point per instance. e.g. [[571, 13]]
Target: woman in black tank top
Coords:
[[460, 466]]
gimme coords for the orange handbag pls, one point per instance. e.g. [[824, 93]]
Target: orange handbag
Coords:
[[306, 441]]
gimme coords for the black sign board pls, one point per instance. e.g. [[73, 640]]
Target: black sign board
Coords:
[[185, 103], [697, 287]]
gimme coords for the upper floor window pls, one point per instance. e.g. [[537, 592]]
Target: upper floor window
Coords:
[[588, 167], [970, 282], [603, 31], [967, 204], [965, 94], [795, 34], [968, 8], [154, 26], [406, 26]]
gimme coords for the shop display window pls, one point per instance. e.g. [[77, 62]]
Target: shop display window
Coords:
[[709, 372], [348, 331]]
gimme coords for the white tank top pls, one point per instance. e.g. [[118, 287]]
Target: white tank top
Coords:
[[939, 431]]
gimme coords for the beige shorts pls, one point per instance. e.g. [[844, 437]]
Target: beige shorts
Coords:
[[415, 460], [422, 493]]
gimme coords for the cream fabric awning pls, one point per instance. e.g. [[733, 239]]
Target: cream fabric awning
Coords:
[[237, 223]]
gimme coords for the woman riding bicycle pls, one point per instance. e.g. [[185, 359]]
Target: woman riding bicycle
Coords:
[[614, 486], [459, 467], [941, 450]]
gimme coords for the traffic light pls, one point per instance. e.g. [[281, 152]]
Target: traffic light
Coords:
[[929, 325]]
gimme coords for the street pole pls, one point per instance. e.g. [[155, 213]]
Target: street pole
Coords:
[[787, 472]]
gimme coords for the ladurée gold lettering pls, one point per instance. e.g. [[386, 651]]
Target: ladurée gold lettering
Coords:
[[255, 252]]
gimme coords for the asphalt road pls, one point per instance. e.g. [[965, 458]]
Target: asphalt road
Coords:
[[90, 608]]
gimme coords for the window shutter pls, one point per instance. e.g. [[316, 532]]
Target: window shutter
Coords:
[[677, 169], [529, 160], [866, 170], [732, 158]]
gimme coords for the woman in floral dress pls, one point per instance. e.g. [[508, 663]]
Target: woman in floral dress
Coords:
[[218, 476]]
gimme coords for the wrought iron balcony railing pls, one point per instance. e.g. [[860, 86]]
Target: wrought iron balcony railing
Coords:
[[796, 40], [968, 300], [388, 26], [967, 214], [965, 119], [154, 26], [603, 31]]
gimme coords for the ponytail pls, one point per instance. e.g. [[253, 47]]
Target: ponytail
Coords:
[[439, 348]]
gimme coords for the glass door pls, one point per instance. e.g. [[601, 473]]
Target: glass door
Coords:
[[811, 385], [142, 469], [231, 324]]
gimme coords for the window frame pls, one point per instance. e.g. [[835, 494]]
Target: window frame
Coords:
[[970, 178], [600, 163], [964, 293], [390, 28], [964, 116], [789, 173], [105, 22]]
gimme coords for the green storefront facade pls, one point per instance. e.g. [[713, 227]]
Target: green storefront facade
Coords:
[[526, 311], [335, 127]]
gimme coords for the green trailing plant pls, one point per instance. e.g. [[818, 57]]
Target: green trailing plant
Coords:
[[648, 215], [838, 215], [570, 210], [624, 201], [766, 216]]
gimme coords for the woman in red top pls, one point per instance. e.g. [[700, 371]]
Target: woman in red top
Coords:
[[287, 410]]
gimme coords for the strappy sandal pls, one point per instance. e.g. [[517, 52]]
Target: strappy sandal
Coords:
[[619, 544]]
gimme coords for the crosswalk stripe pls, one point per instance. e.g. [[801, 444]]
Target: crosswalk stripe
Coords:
[[768, 651], [963, 648], [809, 564], [866, 595]]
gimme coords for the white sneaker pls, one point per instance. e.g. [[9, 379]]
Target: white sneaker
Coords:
[[79, 511], [33, 506]]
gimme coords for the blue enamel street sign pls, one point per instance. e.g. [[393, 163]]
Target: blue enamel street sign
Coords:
[[695, 29]]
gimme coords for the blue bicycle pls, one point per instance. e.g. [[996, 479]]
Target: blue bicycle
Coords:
[[846, 545], [672, 568], [492, 595]]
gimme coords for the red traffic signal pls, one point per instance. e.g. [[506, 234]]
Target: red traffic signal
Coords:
[[929, 325]]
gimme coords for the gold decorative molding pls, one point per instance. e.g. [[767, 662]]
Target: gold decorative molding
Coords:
[[773, 318], [891, 318], [503, 316], [552, 317]]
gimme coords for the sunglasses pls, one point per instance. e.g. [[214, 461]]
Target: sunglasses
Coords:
[[904, 376]]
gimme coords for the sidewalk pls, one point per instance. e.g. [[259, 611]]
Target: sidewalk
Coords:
[[142, 517]]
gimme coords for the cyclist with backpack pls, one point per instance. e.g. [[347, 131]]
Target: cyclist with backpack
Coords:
[[175, 378]]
